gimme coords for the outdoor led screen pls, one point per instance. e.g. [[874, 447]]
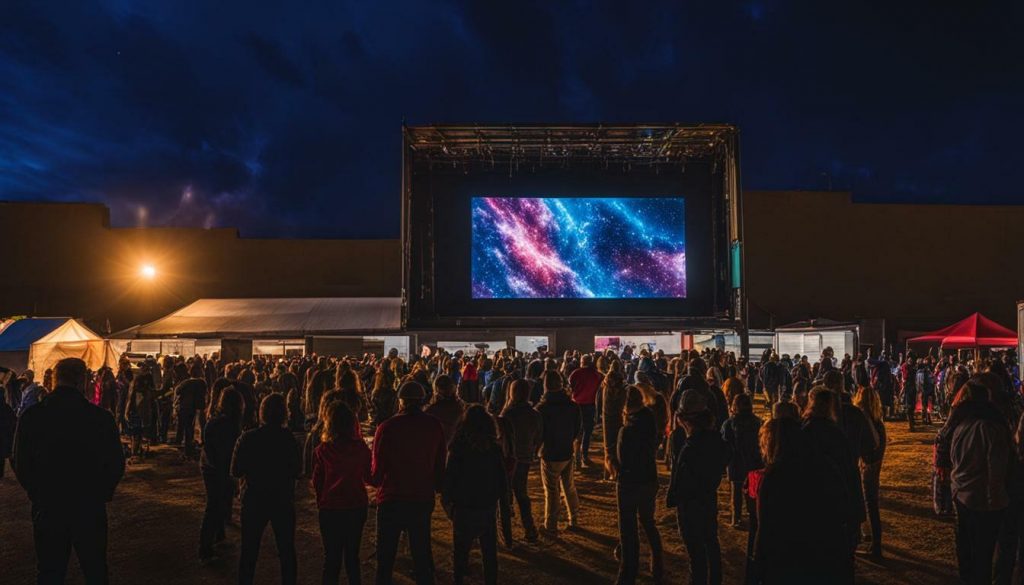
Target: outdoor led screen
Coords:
[[578, 248]]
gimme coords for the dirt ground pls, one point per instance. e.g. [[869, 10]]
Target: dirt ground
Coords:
[[155, 518]]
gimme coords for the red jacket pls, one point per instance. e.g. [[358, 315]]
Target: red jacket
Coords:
[[341, 471], [408, 458], [584, 383]]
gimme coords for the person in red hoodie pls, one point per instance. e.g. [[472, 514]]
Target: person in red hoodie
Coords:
[[584, 383], [341, 470], [408, 467]]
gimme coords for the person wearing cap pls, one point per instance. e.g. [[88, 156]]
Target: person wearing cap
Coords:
[[693, 490], [408, 468], [68, 457]]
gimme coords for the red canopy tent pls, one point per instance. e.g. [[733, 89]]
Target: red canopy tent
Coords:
[[973, 332]]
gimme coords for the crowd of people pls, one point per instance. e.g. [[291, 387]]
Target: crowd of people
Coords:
[[803, 467]]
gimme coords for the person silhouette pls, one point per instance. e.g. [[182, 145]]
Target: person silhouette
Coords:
[[68, 457]]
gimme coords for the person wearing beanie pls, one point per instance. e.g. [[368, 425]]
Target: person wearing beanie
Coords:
[[637, 486], [446, 406], [693, 489], [408, 468]]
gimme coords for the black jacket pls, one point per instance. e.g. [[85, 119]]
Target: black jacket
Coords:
[[267, 461], [562, 423], [697, 471], [860, 434], [190, 395], [829, 441], [7, 424], [67, 451], [474, 478], [740, 432], [637, 449], [524, 427], [383, 405], [221, 434], [802, 530]]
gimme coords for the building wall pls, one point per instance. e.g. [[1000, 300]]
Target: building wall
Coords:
[[819, 254], [807, 254], [64, 259]]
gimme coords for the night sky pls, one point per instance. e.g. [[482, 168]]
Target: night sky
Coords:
[[284, 118]]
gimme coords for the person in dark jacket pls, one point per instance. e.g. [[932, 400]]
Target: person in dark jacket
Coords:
[[474, 481], [190, 400], [637, 486], [68, 457], [868, 401], [341, 470], [267, 461], [215, 464], [383, 399], [696, 474], [829, 441], [981, 456], [446, 406], [740, 433], [522, 428], [802, 512], [8, 421], [408, 466], [908, 371], [562, 424]]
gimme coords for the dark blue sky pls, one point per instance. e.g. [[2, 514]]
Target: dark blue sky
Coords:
[[284, 118]]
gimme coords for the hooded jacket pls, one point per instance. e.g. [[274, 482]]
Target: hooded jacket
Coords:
[[740, 432], [697, 470], [525, 427], [561, 423], [637, 448], [981, 452]]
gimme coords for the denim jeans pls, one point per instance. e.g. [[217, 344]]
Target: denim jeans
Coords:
[[342, 535], [470, 524], [255, 517], [57, 530], [637, 502], [413, 518]]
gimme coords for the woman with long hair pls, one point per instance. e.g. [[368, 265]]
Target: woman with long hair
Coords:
[[802, 533], [613, 399], [341, 471], [637, 486], [740, 432], [221, 433], [829, 441], [868, 401], [474, 481], [140, 410], [351, 392]]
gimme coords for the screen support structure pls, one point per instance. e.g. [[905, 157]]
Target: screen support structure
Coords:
[[518, 149]]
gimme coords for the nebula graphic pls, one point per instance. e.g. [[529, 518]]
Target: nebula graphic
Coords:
[[578, 248]]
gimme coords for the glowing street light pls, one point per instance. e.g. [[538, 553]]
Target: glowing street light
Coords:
[[148, 271]]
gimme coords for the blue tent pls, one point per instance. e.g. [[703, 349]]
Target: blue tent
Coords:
[[17, 338], [20, 335]]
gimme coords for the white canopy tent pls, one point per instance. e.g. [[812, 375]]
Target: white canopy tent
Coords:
[[72, 339]]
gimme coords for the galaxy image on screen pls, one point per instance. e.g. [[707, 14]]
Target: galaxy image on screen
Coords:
[[578, 248]]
